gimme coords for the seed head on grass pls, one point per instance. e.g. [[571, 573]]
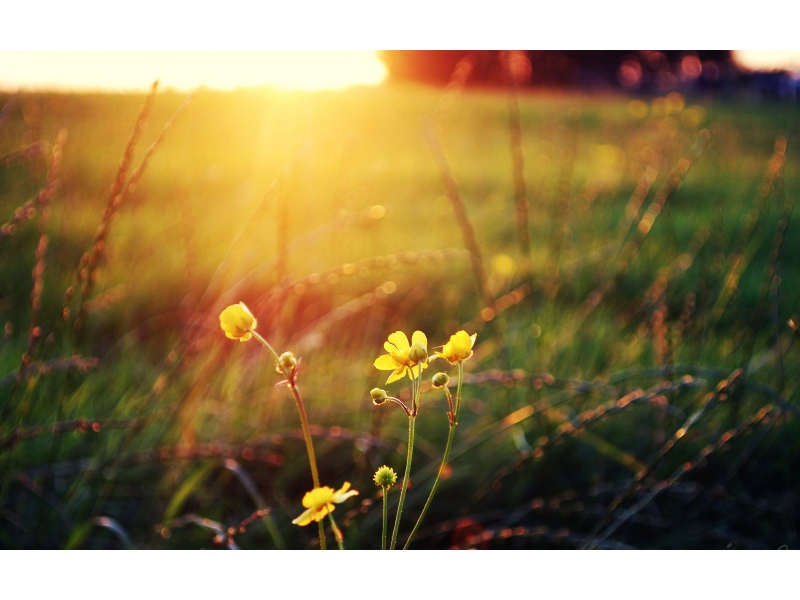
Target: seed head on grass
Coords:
[[237, 321], [320, 501]]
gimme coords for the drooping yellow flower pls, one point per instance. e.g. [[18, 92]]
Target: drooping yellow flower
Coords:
[[320, 501], [399, 359], [459, 347], [237, 321]]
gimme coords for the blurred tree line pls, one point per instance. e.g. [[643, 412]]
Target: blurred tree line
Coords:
[[656, 71]]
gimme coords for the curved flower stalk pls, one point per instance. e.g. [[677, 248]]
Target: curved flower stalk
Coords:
[[455, 351], [238, 323]]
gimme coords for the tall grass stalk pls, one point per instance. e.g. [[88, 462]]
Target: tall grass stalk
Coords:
[[460, 211]]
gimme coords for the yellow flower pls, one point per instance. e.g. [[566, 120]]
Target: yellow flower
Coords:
[[236, 321], [459, 347], [319, 503], [398, 359]]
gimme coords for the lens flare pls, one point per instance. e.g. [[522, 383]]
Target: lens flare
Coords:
[[185, 70]]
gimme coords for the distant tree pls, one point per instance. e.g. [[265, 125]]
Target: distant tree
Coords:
[[633, 69]]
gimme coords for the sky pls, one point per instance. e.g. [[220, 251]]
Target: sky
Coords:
[[123, 70], [769, 59], [126, 70], [83, 45]]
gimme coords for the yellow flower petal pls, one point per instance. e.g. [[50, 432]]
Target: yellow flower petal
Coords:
[[463, 342], [418, 336], [398, 359], [319, 502], [237, 321], [399, 339], [398, 374], [305, 518], [385, 363], [459, 347], [342, 494], [318, 496]]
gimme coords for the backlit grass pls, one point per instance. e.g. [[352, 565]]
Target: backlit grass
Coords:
[[638, 389]]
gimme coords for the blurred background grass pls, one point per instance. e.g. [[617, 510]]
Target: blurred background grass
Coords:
[[326, 214]]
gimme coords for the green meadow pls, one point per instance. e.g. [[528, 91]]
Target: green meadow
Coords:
[[629, 266]]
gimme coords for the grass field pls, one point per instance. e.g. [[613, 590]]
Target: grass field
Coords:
[[635, 377]]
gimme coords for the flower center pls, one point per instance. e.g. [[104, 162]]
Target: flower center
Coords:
[[401, 358]]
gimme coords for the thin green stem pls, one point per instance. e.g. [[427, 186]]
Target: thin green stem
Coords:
[[312, 459], [446, 455], [458, 389], [435, 485], [337, 534], [298, 400], [385, 514], [411, 422], [414, 393]]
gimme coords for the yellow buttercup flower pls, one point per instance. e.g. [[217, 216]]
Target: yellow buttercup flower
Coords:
[[459, 347], [400, 358], [320, 501], [237, 321]]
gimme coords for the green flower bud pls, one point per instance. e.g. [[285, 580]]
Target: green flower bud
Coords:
[[385, 477], [418, 352], [378, 396], [287, 361], [440, 380]]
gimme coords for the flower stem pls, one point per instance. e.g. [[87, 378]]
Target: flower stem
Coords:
[[446, 455], [385, 513], [337, 534], [411, 422], [415, 387], [298, 400], [458, 389], [435, 485]]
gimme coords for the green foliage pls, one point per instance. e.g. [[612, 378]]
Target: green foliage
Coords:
[[326, 214]]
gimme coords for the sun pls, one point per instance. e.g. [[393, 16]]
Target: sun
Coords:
[[768, 60], [76, 70]]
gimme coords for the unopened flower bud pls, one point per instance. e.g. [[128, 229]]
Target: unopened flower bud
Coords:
[[418, 352], [440, 380], [385, 477], [378, 396], [287, 361]]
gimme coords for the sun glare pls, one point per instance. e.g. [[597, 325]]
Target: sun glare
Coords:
[[768, 60], [184, 70]]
